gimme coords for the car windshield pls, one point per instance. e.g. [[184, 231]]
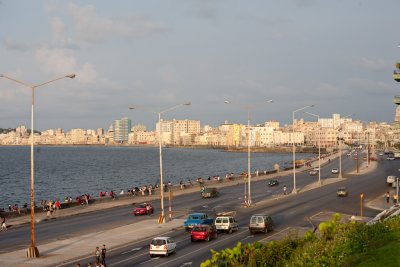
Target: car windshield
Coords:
[[158, 242], [200, 229], [342, 189], [194, 217], [141, 206]]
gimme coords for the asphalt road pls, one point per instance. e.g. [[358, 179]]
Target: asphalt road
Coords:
[[285, 210]]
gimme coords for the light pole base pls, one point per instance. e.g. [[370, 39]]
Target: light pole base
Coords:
[[32, 252], [294, 191]]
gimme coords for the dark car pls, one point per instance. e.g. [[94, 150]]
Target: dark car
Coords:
[[143, 209], [342, 192], [209, 192], [203, 232], [273, 182]]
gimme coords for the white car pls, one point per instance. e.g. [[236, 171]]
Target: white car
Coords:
[[390, 179], [162, 245], [335, 171], [390, 158]]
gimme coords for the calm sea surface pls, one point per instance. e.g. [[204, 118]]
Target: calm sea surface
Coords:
[[72, 171]]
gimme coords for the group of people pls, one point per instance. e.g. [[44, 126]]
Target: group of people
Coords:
[[394, 197], [99, 258]]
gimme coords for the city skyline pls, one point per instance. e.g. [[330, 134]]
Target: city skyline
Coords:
[[159, 54]]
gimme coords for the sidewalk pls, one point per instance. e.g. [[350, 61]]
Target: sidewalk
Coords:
[[72, 249]]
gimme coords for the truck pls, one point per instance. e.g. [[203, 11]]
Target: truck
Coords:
[[226, 222], [194, 219]]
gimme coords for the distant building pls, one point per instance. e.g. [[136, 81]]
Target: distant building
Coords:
[[122, 129]]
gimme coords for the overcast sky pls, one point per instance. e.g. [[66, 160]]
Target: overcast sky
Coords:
[[337, 55]]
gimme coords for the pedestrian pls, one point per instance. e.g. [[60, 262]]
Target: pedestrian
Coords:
[[97, 254], [103, 255], [3, 224], [394, 199], [387, 195], [148, 209], [284, 190]]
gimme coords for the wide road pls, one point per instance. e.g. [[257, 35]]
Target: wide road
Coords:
[[285, 211]]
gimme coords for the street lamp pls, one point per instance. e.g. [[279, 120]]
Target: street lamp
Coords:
[[247, 202], [340, 147], [319, 147], [294, 149], [162, 216], [33, 251]]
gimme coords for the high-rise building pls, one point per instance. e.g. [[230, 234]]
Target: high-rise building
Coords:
[[122, 129]]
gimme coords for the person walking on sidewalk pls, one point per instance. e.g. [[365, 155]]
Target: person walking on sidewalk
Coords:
[[284, 190], [3, 224], [103, 255], [387, 195]]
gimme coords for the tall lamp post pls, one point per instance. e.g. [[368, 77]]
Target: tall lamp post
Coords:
[[319, 147], [162, 216], [247, 200], [340, 146], [33, 251], [294, 149]]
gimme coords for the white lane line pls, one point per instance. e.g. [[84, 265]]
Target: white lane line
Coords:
[[134, 249], [268, 237], [150, 260], [247, 237], [189, 263], [212, 244], [140, 255]]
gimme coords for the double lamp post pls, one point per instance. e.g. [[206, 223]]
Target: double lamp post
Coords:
[[162, 215], [33, 251]]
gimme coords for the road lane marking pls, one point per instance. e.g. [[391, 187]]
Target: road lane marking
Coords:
[[144, 262], [287, 228], [187, 264], [212, 244], [247, 237], [134, 249]]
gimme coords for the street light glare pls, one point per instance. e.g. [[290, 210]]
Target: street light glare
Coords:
[[269, 100], [227, 102]]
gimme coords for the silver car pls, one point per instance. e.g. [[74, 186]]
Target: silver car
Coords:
[[162, 245]]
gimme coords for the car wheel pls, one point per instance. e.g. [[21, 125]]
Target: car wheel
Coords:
[[166, 253], [251, 232], [216, 235], [208, 238], [174, 251], [230, 231], [191, 239], [266, 230]]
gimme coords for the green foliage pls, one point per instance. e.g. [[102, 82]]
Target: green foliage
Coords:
[[339, 245]]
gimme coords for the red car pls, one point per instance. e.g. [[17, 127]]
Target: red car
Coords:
[[203, 232], [143, 209]]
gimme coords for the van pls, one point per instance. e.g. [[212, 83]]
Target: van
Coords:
[[209, 192], [260, 223], [226, 224]]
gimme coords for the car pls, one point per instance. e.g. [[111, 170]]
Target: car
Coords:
[[380, 154], [203, 232], [273, 182], [342, 192], [348, 154], [142, 209], [313, 172], [209, 192], [162, 245], [390, 158], [335, 171], [260, 223], [390, 179], [226, 222], [316, 169]]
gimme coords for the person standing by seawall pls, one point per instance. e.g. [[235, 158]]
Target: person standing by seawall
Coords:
[[97, 254], [103, 255]]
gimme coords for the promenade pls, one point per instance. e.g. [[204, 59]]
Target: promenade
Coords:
[[65, 251]]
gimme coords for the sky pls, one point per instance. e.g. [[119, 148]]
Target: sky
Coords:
[[153, 55]]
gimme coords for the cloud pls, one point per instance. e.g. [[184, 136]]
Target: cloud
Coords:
[[61, 62], [92, 28], [371, 64], [16, 45]]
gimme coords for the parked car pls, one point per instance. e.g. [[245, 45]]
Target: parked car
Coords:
[[335, 171], [209, 192], [313, 172], [260, 223], [348, 154], [142, 209], [203, 232], [390, 158], [163, 245], [342, 192], [273, 182]]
